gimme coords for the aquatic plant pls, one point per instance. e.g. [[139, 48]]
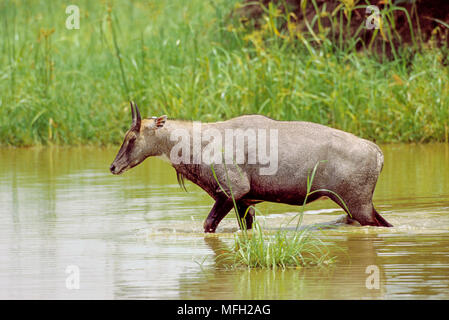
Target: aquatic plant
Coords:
[[283, 248]]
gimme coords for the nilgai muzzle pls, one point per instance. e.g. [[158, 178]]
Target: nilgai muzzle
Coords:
[[349, 166]]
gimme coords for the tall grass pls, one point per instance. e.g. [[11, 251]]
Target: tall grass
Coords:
[[190, 60]]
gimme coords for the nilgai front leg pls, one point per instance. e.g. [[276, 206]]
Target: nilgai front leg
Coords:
[[246, 216], [236, 185], [220, 209]]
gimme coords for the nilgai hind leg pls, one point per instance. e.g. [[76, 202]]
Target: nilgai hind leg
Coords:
[[361, 211]]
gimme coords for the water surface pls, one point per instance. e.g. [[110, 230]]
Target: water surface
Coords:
[[140, 236]]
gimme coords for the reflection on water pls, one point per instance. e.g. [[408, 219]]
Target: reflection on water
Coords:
[[140, 236]]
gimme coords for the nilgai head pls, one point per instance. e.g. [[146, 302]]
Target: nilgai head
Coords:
[[140, 142]]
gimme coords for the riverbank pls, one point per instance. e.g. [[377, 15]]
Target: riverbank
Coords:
[[191, 61]]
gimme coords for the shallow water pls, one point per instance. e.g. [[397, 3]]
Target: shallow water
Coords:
[[65, 220]]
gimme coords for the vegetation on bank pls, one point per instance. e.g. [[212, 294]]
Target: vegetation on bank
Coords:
[[193, 60]]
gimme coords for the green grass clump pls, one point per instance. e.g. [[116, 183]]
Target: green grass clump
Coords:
[[283, 248], [189, 60]]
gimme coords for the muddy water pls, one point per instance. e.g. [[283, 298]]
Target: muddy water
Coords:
[[70, 230]]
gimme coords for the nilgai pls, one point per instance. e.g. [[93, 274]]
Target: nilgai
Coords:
[[278, 157]]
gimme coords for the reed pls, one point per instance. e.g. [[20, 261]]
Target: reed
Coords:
[[189, 60]]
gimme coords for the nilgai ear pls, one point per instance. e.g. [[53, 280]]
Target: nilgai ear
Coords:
[[158, 122]]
